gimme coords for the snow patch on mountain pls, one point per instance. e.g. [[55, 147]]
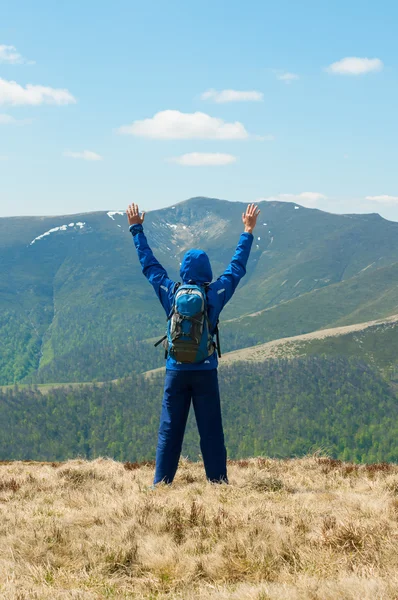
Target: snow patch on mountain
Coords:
[[111, 214], [80, 225]]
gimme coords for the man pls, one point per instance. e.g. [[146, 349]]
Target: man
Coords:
[[196, 381]]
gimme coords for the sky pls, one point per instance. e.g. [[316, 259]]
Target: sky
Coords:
[[103, 103]]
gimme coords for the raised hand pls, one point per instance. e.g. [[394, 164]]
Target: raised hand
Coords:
[[249, 217], [133, 215]]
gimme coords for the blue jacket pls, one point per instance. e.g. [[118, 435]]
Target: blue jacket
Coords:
[[194, 267]]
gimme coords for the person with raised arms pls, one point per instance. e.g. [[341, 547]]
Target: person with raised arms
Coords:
[[192, 308]]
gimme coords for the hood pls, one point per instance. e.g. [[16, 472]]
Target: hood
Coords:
[[196, 267]]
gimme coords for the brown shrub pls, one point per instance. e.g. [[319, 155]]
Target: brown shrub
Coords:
[[132, 466], [9, 485], [243, 464], [328, 464], [383, 467], [349, 469]]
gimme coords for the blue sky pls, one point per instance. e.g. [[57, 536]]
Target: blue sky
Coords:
[[109, 104]]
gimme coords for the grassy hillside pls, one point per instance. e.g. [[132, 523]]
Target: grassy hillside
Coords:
[[367, 296], [308, 529], [374, 342]]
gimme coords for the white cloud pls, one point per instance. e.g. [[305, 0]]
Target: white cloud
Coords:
[[9, 54], [383, 199], [200, 159], [305, 198], [232, 96], [288, 77], [9, 120], [175, 125], [13, 94], [85, 155], [352, 65]]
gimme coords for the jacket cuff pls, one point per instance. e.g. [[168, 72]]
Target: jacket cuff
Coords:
[[136, 228]]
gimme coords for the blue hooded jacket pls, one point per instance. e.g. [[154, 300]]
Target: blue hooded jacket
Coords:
[[195, 267]]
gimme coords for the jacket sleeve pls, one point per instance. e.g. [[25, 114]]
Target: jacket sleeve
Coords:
[[226, 285], [152, 269]]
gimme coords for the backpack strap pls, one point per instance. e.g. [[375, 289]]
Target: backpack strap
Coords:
[[218, 347], [177, 285], [160, 341], [216, 329]]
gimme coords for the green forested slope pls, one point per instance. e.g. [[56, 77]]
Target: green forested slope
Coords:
[[377, 346], [278, 408]]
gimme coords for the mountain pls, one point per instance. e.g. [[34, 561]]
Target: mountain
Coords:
[[74, 305]]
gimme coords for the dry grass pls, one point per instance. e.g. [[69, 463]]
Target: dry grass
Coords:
[[311, 528]]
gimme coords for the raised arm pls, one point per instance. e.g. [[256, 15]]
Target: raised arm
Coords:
[[151, 268], [226, 285]]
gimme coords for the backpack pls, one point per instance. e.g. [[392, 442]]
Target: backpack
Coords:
[[189, 338]]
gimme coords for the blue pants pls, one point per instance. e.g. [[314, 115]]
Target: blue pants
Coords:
[[180, 388]]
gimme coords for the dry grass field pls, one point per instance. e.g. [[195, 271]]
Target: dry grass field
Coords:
[[310, 528]]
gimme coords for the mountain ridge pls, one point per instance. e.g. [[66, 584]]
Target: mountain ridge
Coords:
[[201, 199]]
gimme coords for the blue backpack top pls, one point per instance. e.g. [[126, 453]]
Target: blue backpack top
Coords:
[[189, 338]]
